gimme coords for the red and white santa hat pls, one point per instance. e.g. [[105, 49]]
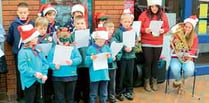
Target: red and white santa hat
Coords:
[[46, 8], [192, 19], [78, 7], [154, 2], [28, 33], [100, 33]]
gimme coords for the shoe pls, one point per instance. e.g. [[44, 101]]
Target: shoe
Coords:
[[129, 96], [112, 100], [154, 84], [147, 85], [177, 84], [120, 97]]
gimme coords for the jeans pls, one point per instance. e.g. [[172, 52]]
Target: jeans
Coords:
[[111, 84], [64, 91], [176, 66], [100, 86]]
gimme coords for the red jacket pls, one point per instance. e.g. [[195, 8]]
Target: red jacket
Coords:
[[147, 38]]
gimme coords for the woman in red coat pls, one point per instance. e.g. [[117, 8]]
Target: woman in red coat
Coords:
[[152, 44]]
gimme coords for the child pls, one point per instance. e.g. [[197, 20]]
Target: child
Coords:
[[98, 78], [109, 26], [13, 38], [32, 65], [125, 77], [77, 10], [82, 86], [185, 40], [41, 25], [64, 76], [100, 18], [50, 13]]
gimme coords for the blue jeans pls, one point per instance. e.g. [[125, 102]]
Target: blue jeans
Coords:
[[100, 86], [176, 66]]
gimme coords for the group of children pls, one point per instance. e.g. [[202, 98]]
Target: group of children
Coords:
[[78, 79]]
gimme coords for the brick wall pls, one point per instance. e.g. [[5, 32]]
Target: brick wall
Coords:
[[9, 14], [112, 8]]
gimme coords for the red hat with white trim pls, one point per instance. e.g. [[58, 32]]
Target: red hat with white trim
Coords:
[[192, 19], [28, 33], [101, 33], [46, 8]]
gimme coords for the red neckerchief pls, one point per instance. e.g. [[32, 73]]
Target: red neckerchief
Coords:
[[128, 29]]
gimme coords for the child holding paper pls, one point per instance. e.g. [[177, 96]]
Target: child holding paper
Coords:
[[109, 26], [125, 76], [152, 44], [64, 76], [98, 76], [82, 86], [32, 65]]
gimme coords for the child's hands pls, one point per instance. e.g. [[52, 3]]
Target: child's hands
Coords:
[[38, 75], [74, 43], [108, 55], [93, 57], [44, 78], [128, 49], [161, 31], [69, 62], [148, 30], [57, 66]]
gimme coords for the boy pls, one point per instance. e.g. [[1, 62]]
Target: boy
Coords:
[[82, 86], [125, 78], [77, 10], [13, 38], [98, 77], [109, 26], [32, 65], [99, 19], [64, 76], [41, 25]]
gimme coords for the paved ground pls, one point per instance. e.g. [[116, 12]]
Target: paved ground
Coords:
[[141, 96]]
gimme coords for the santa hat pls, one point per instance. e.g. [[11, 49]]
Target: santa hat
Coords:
[[154, 2], [78, 7], [28, 33], [192, 19], [128, 11], [101, 16], [46, 8], [101, 33]]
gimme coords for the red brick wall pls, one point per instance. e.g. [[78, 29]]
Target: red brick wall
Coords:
[[112, 8], [9, 13]]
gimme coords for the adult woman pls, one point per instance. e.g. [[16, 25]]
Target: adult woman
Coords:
[[184, 45], [151, 44]]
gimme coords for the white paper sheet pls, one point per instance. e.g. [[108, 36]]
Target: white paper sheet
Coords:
[[155, 26], [62, 54], [100, 62], [115, 48], [82, 38], [45, 47], [1, 53], [129, 38], [137, 27]]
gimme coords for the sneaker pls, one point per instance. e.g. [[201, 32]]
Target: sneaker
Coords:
[[120, 97], [129, 96], [112, 100]]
